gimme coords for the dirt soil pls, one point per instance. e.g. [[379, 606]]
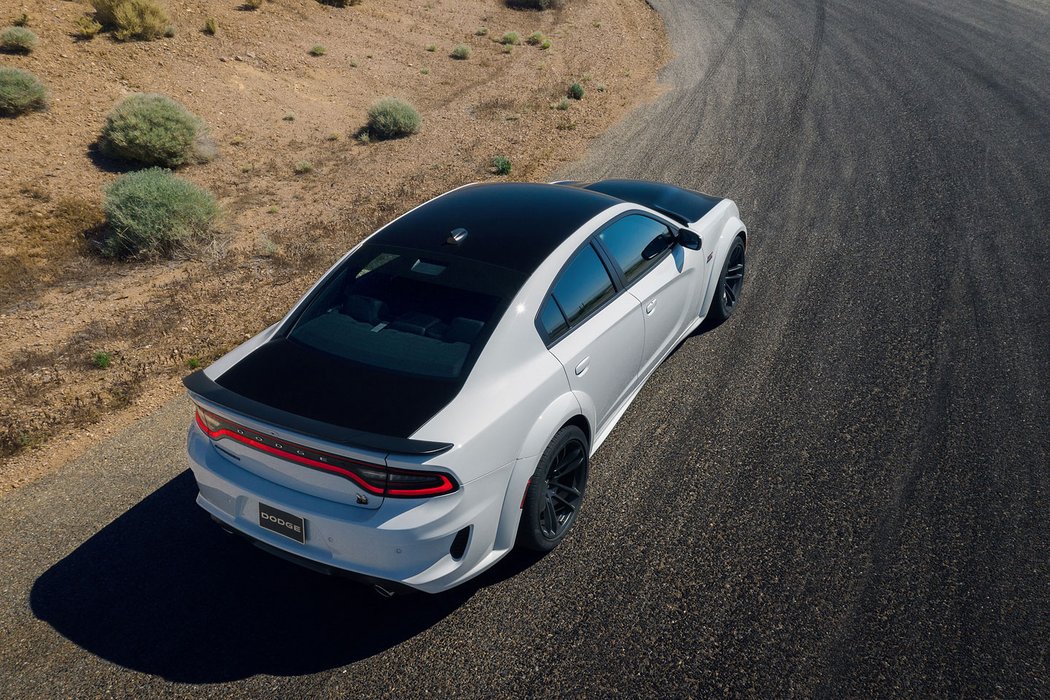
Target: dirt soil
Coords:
[[269, 105]]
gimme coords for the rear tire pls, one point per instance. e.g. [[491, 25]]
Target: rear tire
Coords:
[[555, 491], [730, 285]]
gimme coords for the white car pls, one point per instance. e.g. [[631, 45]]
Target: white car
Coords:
[[435, 398]]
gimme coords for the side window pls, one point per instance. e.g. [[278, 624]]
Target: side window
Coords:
[[627, 238], [552, 319], [583, 286]]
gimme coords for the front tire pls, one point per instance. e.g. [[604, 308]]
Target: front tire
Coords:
[[730, 284], [555, 491]]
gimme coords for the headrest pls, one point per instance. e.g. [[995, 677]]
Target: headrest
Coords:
[[463, 330], [364, 309]]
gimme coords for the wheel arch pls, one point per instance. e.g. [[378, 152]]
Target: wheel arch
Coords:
[[581, 422], [564, 410], [730, 230]]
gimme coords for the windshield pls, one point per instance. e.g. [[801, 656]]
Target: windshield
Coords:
[[406, 311]]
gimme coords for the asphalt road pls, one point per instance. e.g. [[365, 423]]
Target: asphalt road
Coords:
[[841, 492]]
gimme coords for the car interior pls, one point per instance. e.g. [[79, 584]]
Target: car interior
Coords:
[[398, 316]]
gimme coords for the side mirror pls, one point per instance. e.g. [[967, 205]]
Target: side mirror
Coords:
[[688, 239], [657, 246]]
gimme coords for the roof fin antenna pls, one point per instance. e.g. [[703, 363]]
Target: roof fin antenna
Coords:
[[456, 236]]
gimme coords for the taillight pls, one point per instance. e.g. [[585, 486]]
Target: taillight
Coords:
[[374, 478], [403, 482]]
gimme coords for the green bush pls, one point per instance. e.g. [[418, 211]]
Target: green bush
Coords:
[[317, 50], [460, 52], [105, 12], [576, 91], [535, 39], [211, 26], [251, 5], [501, 164], [533, 4], [153, 213], [143, 20], [155, 130], [17, 40], [510, 39], [391, 118], [340, 3], [481, 31], [303, 167], [87, 28], [545, 44], [20, 92]]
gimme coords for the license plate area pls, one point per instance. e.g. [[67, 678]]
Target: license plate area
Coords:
[[276, 520]]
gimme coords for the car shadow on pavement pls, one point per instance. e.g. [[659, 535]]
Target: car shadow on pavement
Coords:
[[164, 591]]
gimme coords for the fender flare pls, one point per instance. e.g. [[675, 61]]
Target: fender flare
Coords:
[[732, 228], [562, 410]]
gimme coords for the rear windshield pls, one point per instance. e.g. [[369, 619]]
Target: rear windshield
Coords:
[[406, 311]]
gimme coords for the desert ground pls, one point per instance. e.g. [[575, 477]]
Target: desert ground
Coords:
[[270, 105]]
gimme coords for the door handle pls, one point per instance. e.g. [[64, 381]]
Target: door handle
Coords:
[[650, 306], [582, 367]]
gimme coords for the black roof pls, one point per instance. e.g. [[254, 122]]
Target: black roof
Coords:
[[513, 225], [685, 206]]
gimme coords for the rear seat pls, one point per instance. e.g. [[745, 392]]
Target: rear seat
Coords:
[[436, 348], [364, 309]]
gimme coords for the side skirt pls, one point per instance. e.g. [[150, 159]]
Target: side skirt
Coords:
[[626, 403]]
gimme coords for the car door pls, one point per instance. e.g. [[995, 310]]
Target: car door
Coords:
[[665, 286], [595, 331]]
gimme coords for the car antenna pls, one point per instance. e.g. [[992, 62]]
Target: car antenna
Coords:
[[456, 237]]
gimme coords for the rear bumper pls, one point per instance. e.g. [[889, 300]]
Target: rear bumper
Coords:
[[405, 542]]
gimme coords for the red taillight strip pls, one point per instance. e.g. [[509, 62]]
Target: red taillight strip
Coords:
[[447, 485], [290, 456]]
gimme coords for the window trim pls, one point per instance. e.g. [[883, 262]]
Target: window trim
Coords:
[[620, 283]]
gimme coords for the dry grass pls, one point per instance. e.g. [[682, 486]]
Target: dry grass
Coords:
[[142, 20], [46, 235], [61, 304]]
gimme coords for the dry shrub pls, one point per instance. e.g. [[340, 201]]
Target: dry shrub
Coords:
[[20, 92], [391, 118], [17, 40], [155, 130], [153, 213], [143, 20]]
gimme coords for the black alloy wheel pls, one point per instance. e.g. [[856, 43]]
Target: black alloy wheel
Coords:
[[555, 492], [730, 284], [733, 282]]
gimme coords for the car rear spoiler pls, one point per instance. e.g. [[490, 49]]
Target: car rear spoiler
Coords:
[[200, 385], [677, 203]]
